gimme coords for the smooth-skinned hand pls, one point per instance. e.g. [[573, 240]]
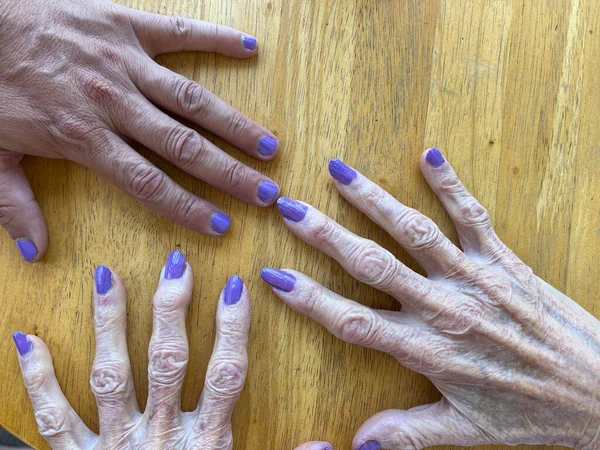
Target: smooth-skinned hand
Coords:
[[79, 82]]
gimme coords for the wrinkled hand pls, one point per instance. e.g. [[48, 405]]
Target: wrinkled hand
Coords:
[[78, 80], [517, 362]]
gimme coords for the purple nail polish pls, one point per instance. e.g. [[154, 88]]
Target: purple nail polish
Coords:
[[267, 145], [328, 447], [220, 222], [175, 265], [291, 209], [27, 249], [103, 279], [278, 279], [267, 191], [249, 42], [341, 172], [371, 445], [435, 158], [22, 343], [233, 290]]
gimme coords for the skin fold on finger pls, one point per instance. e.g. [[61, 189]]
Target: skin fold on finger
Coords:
[[20, 214], [57, 422], [315, 446], [191, 152], [116, 161], [228, 365], [111, 379], [418, 234], [363, 259], [168, 353], [189, 100], [164, 34]]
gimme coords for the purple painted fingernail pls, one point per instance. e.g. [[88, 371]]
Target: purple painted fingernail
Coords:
[[220, 222], [328, 447], [341, 172], [103, 279], [371, 445], [27, 249], [267, 191], [267, 145], [175, 265], [278, 279], [435, 158], [249, 42], [233, 290], [291, 209], [22, 343]]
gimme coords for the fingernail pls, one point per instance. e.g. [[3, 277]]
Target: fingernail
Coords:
[[371, 445], [22, 343], [27, 249], [233, 290], [267, 191], [435, 158], [267, 145], [175, 265], [249, 42], [291, 209], [329, 447], [341, 172], [220, 222], [278, 279], [103, 279]]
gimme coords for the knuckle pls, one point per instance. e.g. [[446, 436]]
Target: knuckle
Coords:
[[184, 146], [35, 380], [226, 378], [147, 183], [472, 214], [308, 299], [167, 364], [324, 232], [192, 98], [99, 90], [109, 379], [170, 300], [51, 421], [186, 206], [237, 124], [457, 317], [359, 327], [74, 130], [180, 28], [373, 197], [407, 440], [235, 174], [449, 184], [374, 265], [10, 211], [421, 232]]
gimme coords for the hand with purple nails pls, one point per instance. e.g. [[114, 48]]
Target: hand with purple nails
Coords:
[[75, 94], [516, 361]]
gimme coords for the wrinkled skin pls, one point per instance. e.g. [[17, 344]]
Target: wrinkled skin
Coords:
[[79, 82], [517, 361], [162, 425]]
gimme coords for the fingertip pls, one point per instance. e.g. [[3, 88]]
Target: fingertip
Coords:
[[220, 223], [28, 250], [433, 157], [250, 44], [22, 343], [267, 146], [267, 192]]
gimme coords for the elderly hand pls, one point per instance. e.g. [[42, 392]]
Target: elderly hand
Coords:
[[162, 424], [78, 81], [517, 362]]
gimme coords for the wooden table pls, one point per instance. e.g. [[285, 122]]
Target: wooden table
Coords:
[[509, 90]]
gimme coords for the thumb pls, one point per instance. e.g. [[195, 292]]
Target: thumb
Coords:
[[315, 446], [20, 215], [436, 424]]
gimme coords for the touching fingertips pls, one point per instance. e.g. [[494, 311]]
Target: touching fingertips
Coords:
[[27, 249], [341, 172], [267, 191], [249, 42], [233, 290], [175, 265], [267, 145], [278, 279], [371, 445], [291, 209], [102, 279], [220, 223], [434, 157], [22, 343]]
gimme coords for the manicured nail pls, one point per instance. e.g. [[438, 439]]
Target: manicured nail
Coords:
[[267, 145], [233, 290], [249, 42], [175, 265], [103, 279], [291, 209], [267, 191], [371, 445], [220, 222], [22, 343], [435, 158], [27, 249], [341, 172], [278, 279]]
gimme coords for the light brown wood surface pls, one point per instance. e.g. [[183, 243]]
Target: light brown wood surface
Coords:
[[509, 90]]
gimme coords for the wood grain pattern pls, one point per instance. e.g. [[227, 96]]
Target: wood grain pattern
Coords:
[[509, 91]]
